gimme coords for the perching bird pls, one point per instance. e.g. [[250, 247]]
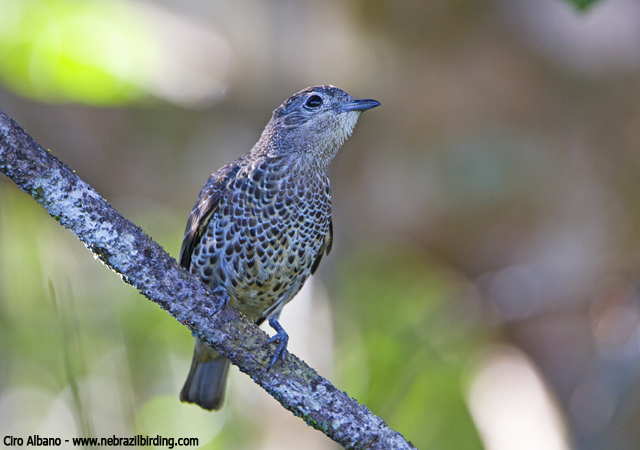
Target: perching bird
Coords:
[[262, 223]]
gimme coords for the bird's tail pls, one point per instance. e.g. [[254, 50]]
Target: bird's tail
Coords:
[[207, 378]]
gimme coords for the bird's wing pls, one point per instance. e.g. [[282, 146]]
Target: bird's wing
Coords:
[[206, 206], [326, 247], [329, 239]]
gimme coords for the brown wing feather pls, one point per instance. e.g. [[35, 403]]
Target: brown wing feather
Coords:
[[206, 206], [326, 248]]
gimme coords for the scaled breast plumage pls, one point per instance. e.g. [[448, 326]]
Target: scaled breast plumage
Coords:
[[259, 228]]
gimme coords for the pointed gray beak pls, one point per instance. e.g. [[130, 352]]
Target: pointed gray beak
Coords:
[[358, 105]]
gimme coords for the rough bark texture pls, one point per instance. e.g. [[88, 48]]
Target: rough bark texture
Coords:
[[142, 263]]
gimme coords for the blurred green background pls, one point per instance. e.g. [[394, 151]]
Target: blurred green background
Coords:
[[482, 291]]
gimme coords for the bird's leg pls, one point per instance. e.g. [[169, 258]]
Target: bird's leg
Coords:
[[221, 292], [283, 339]]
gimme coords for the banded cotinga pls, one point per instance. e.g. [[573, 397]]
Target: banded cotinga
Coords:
[[262, 223]]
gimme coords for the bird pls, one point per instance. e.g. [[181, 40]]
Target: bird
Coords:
[[262, 223]]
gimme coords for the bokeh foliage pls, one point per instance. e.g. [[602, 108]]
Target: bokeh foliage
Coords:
[[407, 330], [81, 51], [583, 4]]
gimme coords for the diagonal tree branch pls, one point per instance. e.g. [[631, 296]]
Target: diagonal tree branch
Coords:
[[142, 263]]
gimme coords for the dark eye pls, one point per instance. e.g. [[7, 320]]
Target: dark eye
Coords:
[[314, 101]]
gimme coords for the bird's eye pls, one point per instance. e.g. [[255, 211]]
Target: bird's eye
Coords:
[[314, 101]]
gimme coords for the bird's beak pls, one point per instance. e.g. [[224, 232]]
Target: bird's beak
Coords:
[[361, 104]]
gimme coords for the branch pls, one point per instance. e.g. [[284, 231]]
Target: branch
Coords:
[[142, 263]]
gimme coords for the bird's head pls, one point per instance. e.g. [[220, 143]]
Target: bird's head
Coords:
[[313, 124]]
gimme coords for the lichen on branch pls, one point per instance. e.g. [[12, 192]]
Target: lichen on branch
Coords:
[[142, 263]]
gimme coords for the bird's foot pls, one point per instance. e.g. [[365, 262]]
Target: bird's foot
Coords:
[[220, 292], [283, 339]]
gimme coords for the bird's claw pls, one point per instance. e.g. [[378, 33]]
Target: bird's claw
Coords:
[[220, 292], [283, 339]]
